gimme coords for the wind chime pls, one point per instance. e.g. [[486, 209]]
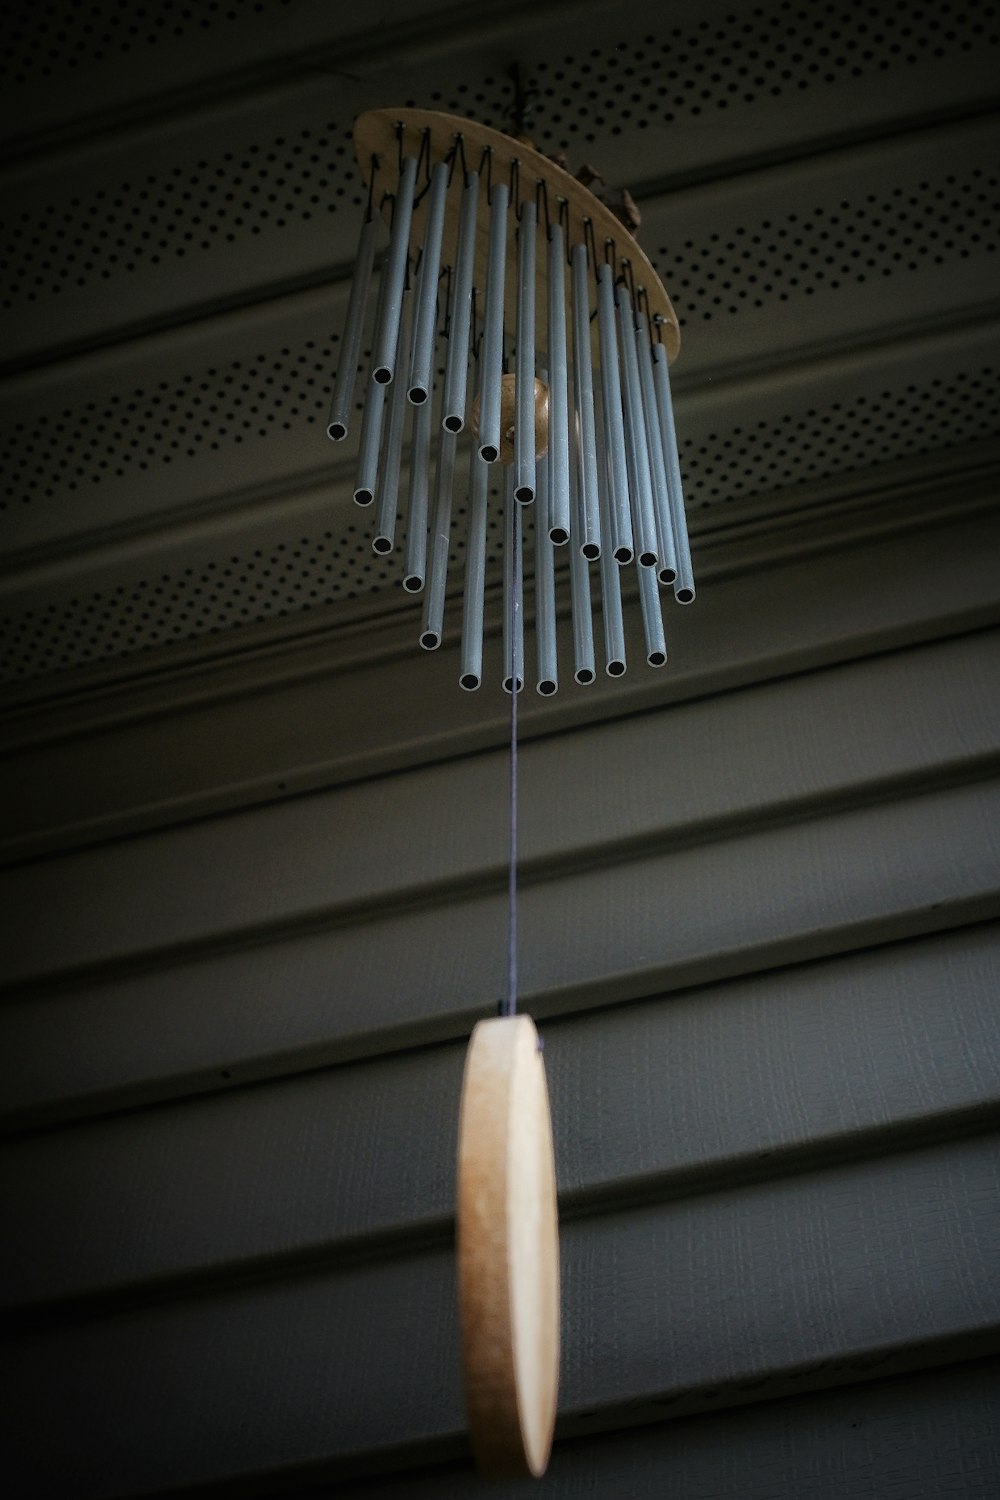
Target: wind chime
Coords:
[[558, 337]]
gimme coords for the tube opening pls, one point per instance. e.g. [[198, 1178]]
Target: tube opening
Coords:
[[469, 681], [455, 424], [558, 536], [524, 494], [656, 658], [547, 687], [667, 575], [684, 596], [591, 551], [430, 640], [337, 431], [584, 675], [615, 669], [416, 395], [507, 682], [381, 545], [647, 559], [413, 583], [364, 497], [382, 375], [489, 454], [622, 555]]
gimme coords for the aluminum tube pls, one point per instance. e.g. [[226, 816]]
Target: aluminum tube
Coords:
[[616, 523], [579, 586], [611, 592], [513, 592], [350, 344], [440, 544], [652, 618], [666, 570], [457, 364], [421, 363], [384, 538], [471, 674], [588, 522], [640, 486], [394, 272], [416, 507], [558, 463], [545, 587], [684, 582], [492, 356], [524, 359], [371, 441]]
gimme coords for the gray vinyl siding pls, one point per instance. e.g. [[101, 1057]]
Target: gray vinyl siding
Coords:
[[761, 936], [253, 841]]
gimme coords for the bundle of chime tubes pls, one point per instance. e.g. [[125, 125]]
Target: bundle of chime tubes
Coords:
[[496, 264]]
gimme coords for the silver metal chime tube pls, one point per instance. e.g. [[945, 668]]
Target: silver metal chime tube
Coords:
[[666, 570], [616, 523], [588, 525], [579, 585], [350, 347], [524, 369], [545, 585], [684, 582], [492, 357], [513, 591], [611, 604], [558, 464], [440, 544], [371, 423], [388, 476], [640, 487], [416, 506], [371, 439], [457, 363], [394, 274], [608, 480], [475, 574], [425, 318], [652, 618]]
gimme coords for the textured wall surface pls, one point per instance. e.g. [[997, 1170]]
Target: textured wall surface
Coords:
[[254, 841]]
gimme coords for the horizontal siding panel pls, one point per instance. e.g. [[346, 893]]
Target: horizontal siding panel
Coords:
[[324, 710], [649, 924], [851, 1264], [930, 1436], [804, 744], [659, 1099]]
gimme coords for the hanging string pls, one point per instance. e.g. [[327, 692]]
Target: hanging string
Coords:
[[508, 1006]]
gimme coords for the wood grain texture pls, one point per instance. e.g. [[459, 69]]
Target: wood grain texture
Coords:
[[508, 1249], [722, 1298]]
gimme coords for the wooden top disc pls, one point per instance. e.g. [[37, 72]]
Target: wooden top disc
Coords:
[[508, 1249], [386, 134]]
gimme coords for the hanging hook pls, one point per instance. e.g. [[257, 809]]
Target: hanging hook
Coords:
[[542, 194], [487, 157], [515, 186], [457, 151]]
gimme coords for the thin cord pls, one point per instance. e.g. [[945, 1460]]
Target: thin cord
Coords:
[[509, 1006]]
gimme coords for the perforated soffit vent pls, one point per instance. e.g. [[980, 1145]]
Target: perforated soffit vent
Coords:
[[288, 181]]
